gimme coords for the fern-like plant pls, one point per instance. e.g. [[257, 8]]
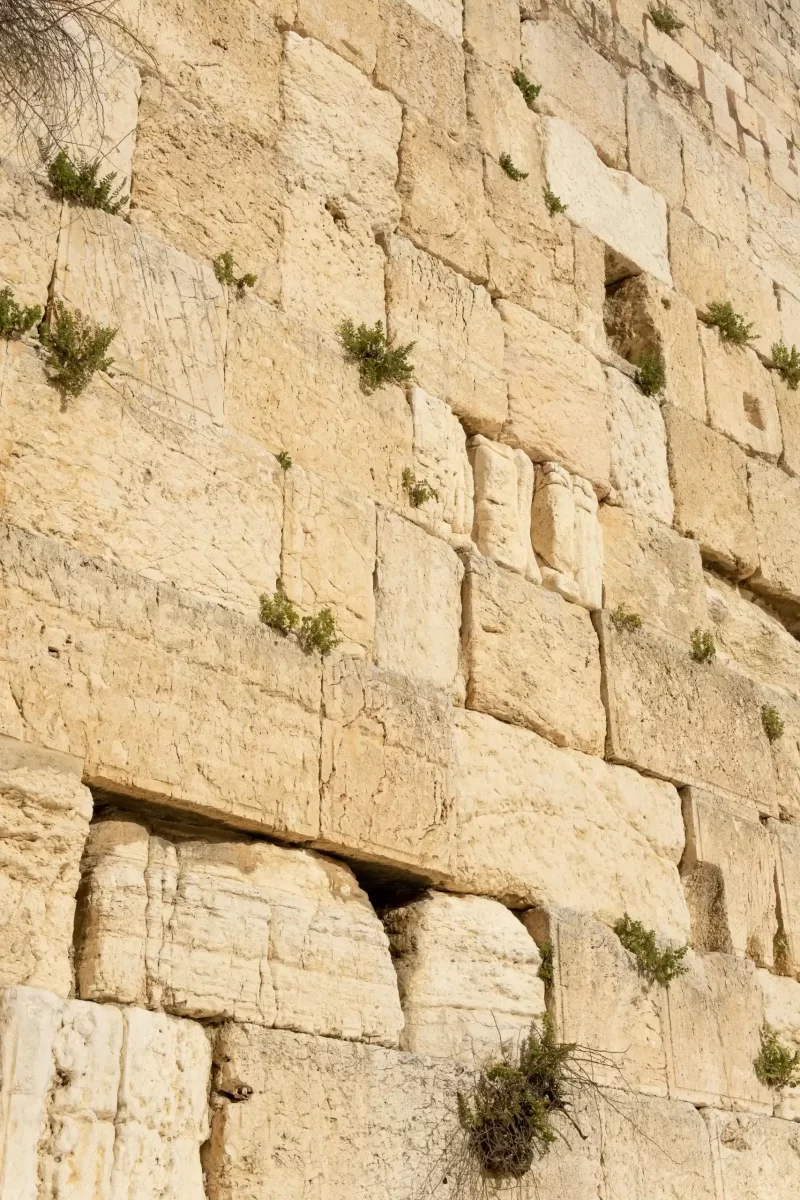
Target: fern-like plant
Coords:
[[226, 274], [81, 183], [664, 18], [16, 319], [379, 361], [510, 170], [530, 90], [788, 364], [76, 348], [657, 966], [624, 620], [553, 202], [732, 327]]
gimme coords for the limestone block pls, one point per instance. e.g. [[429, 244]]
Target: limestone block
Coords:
[[348, 27], [729, 837], [775, 505], [467, 971], [417, 603], [387, 749], [567, 536], [650, 570], [441, 460], [741, 398], [786, 753], [503, 123], [422, 65], [28, 1020], [532, 658], [655, 1149], [457, 335], [288, 387], [535, 824], [658, 697], [440, 185], [642, 315], [789, 413], [572, 74], [340, 133], [714, 1013], [782, 1014], [503, 495], [168, 309], [754, 1156], [45, 819], [754, 638], [774, 239], [161, 694], [600, 1000], [557, 400], [108, 129], [786, 842], [492, 31], [715, 188], [708, 474], [178, 501], [29, 225], [328, 553], [654, 142], [639, 472], [629, 217], [444, 13]]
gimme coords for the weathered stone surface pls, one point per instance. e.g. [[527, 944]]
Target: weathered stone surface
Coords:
[[639, 474], [775, 505], [467, 971], [782, 1014], [654, 142], [29, 226], [655, 1149], [774, 240], [708, 474], [651, 571], [417, 602], [786, 753], [535, 823], [755, 639], [754, 1156], [741, 398], [421, 65], [789, 413], [492, 31], [532, 658], [786, 842], [237, 930], [348, 27], [566, 535], [457, 335], [557, 402], [715, 188], [689, 722], [503, 495], [28, 1020], [441, 460]]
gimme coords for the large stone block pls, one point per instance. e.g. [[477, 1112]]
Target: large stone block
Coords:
[[532, 658], [786, 842], [422, 65], [654, 141], [503, 495], [566, 535], [789, 414], [639, 473], [557, 399], [28, 1021], [741, 398], [775, 505], [715, 182], [467, 971], [774, 240], [441, 460], [543, 826], [786, 753], [29, 225], [655, 1149], [754, 1156], [708, 474], [755, 639], [348, 27], [782, 1015], [492, 31], [689, 722]]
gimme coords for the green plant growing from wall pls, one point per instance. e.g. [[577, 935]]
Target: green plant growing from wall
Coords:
[[16, 319], [664, 18], [624, 620], [226, 274], [553, 202], [772, 722], [776, 1067], [319, 633], [657, 966], [379, 361], [703, 648], [651, 376], [545, 971], [279, 613], [530, 90], [284, 460], [419, 491], [732, 327], [787, 363], [510, 170], [81, 183], [75, 348]]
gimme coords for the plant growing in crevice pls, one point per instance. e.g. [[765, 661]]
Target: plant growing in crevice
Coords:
[[664, 18], [553, 202], [419, 491], [75, 348], [732, 327], [651, 376], [284, 460], [279, 613], [16, 319], [510, 170], [625, 620], [529, 89], [787, 363], [545, 971], [703, 648], [379, 361], [226, 274], [776, 1067], [780, 953], [657, 966], [772, 721], [81, 183], [318, 633]]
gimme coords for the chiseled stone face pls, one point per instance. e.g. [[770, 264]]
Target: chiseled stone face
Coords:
[[441, 461], [741, 398], [754, 1155], [566, 535], [503, 496], [786, 841], [639, 474], [775, 504], [782, 1014]]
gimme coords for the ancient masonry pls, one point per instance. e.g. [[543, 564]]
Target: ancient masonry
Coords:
[[265, 911]]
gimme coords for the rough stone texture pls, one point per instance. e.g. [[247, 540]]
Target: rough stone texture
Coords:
[[639, 473], [566, 535], [689, 722], [786, 753], [752, 636], [535, 824], [422, 65], [651, 571], [503, 496], [28, 1020], [654, 142], [29, 227], [775, 505], [441, 460], [492, 31], [789, 413], [655, 1148], [774, 240], [741, 398], [715, 181], [234, 930], [467, 971], [347, 27], [754, 1156], [786, 842], [708, 474], [557, 402], [782, 1014]]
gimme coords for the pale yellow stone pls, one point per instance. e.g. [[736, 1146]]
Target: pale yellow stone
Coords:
[[655, 1149], [492, 31], [654, 142], [789, 412], [29, 1018], [715, 188], [741, 398], [29, 225], [754, 638], [775, 504], [639, 474], [566, 535], [774, 239], [754, 1156], [786, 751], [441, 460], [782, 1014], [503, 496], [422, 66], [786, 841], [348, 27]]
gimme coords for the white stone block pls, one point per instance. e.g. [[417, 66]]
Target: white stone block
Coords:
[[567, 536], [441, 460], [639, 473], [503, 495]]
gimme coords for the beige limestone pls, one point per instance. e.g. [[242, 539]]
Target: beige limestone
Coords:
[[782, 1014], [417, 603], [639, 473], [789, 413], [348, 27], [502, 123], [492, 31], [557, 401], [535, 823], [441, 460], [774, 240], [786, 753], [503, 495], [532, 659], [421, 65], [446, 14], [467, 971], [655, 1149], [715, 188], [741, 398], [651, 571], [29, 227], [775, 503], [754, 1156], [708, 474], [786, 842], [457, 335], [567, 536], [654, 142], [28, 1021], [689, 722], [752, 636]]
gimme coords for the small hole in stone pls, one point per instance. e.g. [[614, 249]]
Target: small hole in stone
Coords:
[[753, 410], [667, 303]]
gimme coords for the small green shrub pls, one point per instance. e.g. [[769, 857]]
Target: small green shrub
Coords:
[[225, 273], [772, 721], [625, 620], [553, 202], [14, 318], [529, 90], [76, 348], [419, 491], [284, 460], [703, 648], [510, 170], [83, 184], [279, 613], [378, 360], [776, 1067], [664, 18], [787, 363], [731, 326], [657, 966], [319, 632], [545, 971], [651, 375]]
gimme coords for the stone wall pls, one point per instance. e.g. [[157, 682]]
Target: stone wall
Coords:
[[266, 912]]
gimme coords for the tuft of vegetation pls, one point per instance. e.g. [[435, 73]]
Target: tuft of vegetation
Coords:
[[776, 1067], [625, 620], [284, 460], [279, 613], [703, 647], [15, 319], [732, 327], [76, 348], [651, 375], [419, 491], [226, 274], [319, 633], [664, 18], [530, 90], [780, 954], [553, 202], [657, 966], [787, 363], [545, 971], [772, 721], [378, 360], [81, 183], [510, 170]]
